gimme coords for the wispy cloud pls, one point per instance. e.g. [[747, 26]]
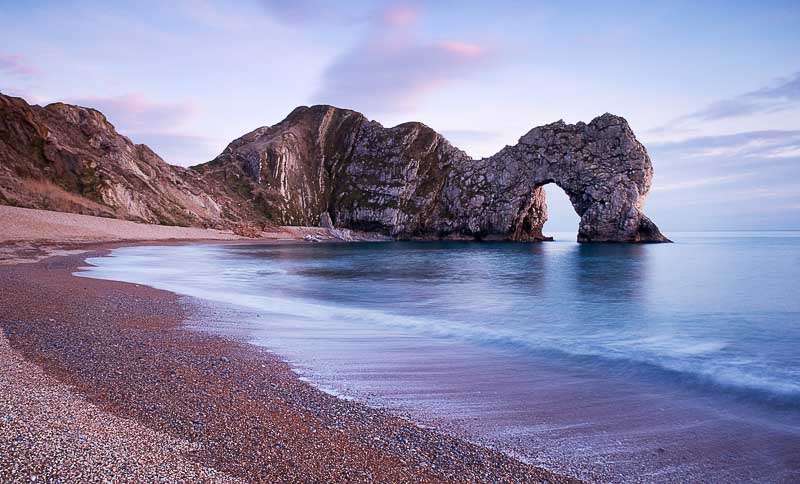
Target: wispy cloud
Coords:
[[701, 182], [136, 113], [742, 197], [17, 65], [19, 77], [727, 174], [391, 67], [160, 125], [780, 95], [181, 149], [308, 12], [748, 144], [785, 93], [24, 93]]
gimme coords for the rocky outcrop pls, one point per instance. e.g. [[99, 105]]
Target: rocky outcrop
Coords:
[[332, 167], [604, 170], [409, 182], [69, 158]]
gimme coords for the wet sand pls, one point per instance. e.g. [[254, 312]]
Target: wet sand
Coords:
[[596, 423], [227, 410]]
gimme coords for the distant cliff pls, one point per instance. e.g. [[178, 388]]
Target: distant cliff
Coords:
[[71, 159], [333, 166]]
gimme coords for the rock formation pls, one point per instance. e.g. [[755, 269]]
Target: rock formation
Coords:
[[604, 170], [409, 182], [328, 166], [71, 159]]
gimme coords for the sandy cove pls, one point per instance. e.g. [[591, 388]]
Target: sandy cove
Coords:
[[28, 235], [100, 380]]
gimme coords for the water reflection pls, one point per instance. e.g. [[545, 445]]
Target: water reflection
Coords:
[[608, 273], [554, 347]]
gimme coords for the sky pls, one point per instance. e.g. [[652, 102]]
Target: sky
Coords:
[[712, 88]]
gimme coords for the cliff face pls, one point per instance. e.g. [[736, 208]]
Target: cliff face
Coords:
[[604, 170], [328, 160], [333, 166], [409, 182], [71, 159]]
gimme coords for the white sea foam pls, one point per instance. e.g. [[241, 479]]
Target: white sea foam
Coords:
[[212, 274]]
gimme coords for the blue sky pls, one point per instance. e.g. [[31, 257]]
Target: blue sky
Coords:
[[711, 88]]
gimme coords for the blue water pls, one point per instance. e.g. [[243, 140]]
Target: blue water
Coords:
[[714, 318]]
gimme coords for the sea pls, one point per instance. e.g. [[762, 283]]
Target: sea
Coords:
[[608, 362]]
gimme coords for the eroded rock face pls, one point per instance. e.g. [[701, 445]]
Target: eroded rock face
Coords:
[[409, 182], [333, 167], [603, 169], [71, 159]]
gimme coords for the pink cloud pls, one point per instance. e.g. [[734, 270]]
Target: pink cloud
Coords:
[[28, 96], [160, 125], [400, 15], [462, 48], [304, 13], [135, 113], [15, 64], [391, 68]]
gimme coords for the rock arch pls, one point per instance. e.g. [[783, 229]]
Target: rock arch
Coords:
[[409, 182], [603, 169]]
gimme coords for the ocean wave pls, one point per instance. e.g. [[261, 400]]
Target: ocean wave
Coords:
[[707, 362]]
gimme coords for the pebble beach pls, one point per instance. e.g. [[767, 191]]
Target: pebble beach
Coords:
[[101, 381]]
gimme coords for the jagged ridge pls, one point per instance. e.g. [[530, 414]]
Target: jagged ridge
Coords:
[[69, 158], [410, 182], [406, 181]]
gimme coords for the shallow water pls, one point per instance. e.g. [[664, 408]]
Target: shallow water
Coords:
[[606, 361]]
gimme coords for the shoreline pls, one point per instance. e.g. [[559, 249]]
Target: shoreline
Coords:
[[587, 419], [30, 235], [244, 411]]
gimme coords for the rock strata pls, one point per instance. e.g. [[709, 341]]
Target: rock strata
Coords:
[[331, 167], [71, 159]]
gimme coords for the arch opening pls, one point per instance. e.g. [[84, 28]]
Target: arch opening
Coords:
[[547, 200], [562, 220]]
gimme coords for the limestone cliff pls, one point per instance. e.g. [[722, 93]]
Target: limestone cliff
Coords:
[[71, 159], [324, 165], [409, 182]]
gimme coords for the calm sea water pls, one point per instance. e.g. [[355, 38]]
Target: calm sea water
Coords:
[[605, 361]]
